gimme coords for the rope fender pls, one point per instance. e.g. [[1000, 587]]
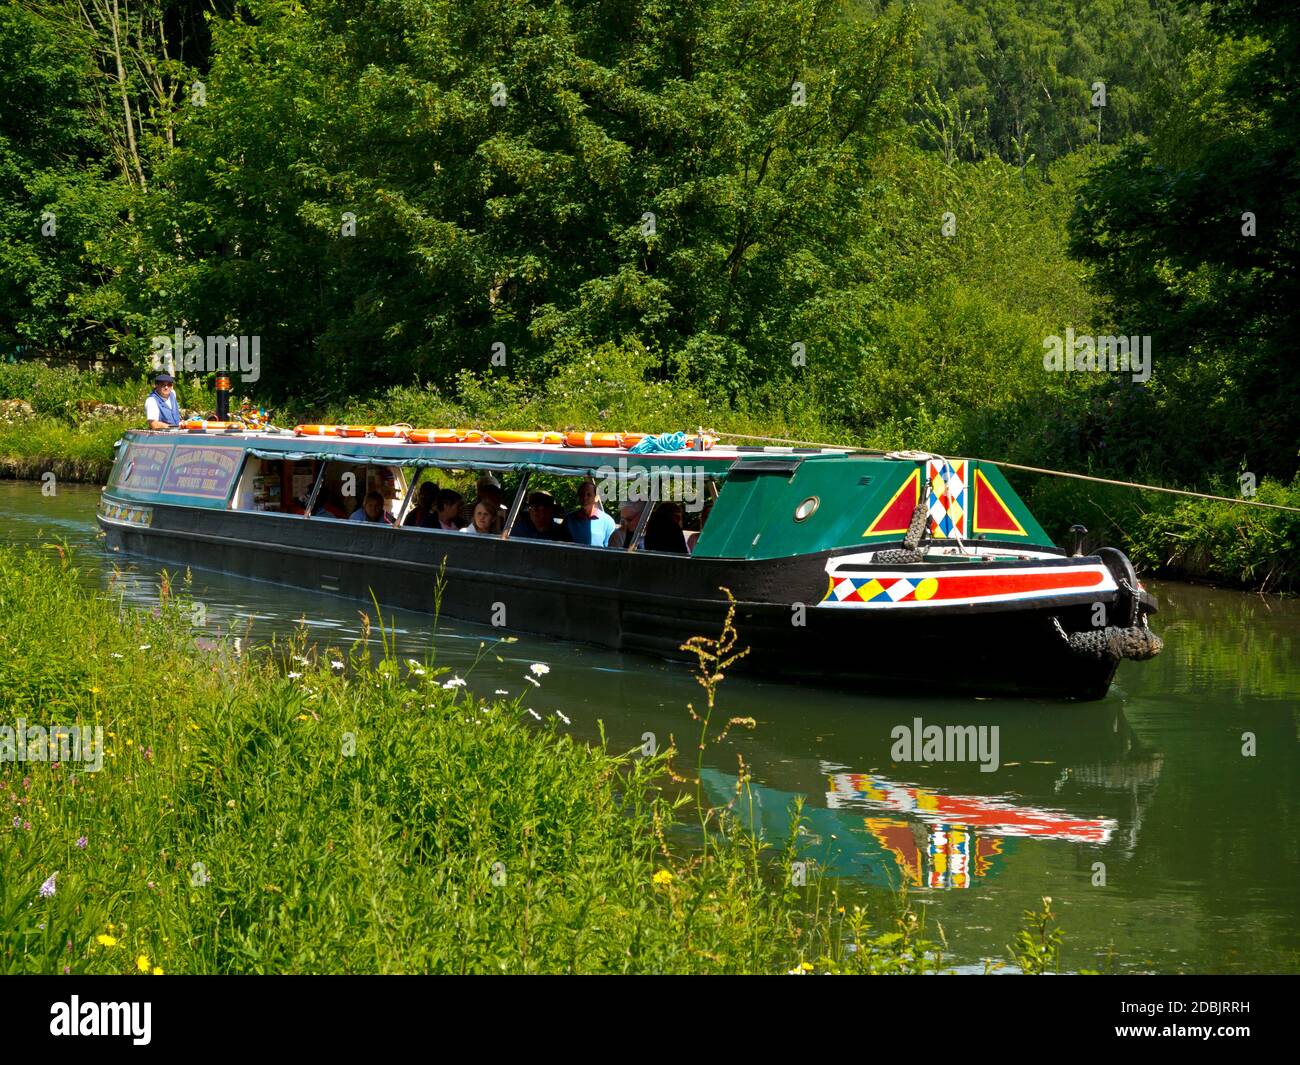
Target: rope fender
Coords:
[[911, 542], [1135, 642]]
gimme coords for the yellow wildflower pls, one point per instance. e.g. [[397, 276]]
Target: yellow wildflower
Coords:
[[157, 971], [106, 941], [663, 877], [142, 963]]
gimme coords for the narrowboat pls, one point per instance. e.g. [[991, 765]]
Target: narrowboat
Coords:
[[899, 571]]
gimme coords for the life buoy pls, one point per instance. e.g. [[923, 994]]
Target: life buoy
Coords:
[[355, 430], [199, 425], [602, 439], [392, 432], [444, 436], [511, 436], [315, 430]]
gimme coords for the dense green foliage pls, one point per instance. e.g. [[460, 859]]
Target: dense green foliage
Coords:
[[279, 812], [1195, 239]]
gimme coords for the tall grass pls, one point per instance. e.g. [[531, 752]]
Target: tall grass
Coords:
[[285, 810]]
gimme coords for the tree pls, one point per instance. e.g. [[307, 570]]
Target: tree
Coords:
[[1194, 239], [687, 177]]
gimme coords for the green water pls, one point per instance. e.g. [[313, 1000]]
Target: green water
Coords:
[[1197, 842]]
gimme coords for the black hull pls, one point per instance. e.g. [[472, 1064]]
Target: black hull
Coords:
[[642, 602]]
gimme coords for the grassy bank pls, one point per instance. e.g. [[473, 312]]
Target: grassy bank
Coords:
[[289, 811]]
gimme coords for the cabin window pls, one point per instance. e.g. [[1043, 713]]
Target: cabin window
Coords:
[[275, 485], [345, 485], [647, 509], [443, 499], [807, 508]]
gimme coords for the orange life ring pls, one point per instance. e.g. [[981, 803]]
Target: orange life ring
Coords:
[[315, 430], [511, 436], [354, 430], [444, 436], [198, 425], [391, 432], [602, 439]]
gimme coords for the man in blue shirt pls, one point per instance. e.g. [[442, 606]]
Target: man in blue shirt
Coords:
[[160, 406], [539, 523], [589, 525]]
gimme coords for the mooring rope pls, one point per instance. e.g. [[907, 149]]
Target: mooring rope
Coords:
[[1026, 469]]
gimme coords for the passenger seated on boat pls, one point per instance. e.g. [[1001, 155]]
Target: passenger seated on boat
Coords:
[[372, 509], [484, 522], [448, 513], [630, 514], [589, 524], [539, 523], [330, 505], [384, 481], [424, 515], [489, 491], [664, 530]]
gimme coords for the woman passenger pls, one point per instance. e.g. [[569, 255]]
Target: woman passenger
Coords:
[[449, 509], [373, 510], [484, 520]]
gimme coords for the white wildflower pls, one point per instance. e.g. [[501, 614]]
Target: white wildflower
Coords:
[[455, 682], [563, 718], [540, 668]]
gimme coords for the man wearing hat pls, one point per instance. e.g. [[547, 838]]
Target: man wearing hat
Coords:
[[539, 523], [160, 407]]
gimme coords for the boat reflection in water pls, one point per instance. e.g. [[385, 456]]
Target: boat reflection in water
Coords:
[[890, 832], [947, 839]]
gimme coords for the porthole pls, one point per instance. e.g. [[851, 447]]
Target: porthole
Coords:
[[807, 508]]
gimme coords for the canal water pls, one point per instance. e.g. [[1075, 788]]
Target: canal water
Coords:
[[1164, 843]]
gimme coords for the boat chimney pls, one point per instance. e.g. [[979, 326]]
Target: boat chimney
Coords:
[[223, 398], [1079, 532]]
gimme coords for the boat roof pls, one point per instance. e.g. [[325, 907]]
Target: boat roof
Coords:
[[717, 459]]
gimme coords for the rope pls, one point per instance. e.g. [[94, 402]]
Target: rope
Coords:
[[1026, 469]]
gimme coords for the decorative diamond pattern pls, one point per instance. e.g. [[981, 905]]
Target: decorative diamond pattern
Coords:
[[947, 498]]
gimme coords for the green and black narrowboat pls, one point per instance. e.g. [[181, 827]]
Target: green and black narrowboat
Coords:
[[880, 572]]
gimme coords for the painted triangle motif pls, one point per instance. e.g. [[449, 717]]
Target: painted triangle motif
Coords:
[[897, 513], [992, 515]]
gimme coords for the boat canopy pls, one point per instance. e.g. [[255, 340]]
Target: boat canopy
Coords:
[[775, 502]]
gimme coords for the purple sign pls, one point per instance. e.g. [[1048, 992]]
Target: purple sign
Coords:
[[142, 466], [202, 471]]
